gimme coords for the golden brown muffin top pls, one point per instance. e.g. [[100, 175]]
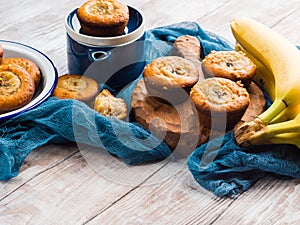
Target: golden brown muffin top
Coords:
[[229, 64], [28, 65], [75, 86], [103, 12], [16, 87], [171, 71], [219, 94]]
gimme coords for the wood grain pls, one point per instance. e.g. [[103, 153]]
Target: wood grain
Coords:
[[74, 190], [159, 203], [38, 162], [270, 201]]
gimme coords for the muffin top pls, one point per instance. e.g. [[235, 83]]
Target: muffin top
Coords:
[[229, 64], [171, 71], [103, 13], [73, 86], [16, 87], [28, 65], [219, 94]]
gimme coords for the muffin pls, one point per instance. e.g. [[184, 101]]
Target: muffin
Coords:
[[103, 17], [108, 105], [232, 65], [73, 86], [219, 101], [16, 88], [28, 65], [170, 78]]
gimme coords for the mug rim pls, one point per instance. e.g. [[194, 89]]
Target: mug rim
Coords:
[[105, 41]]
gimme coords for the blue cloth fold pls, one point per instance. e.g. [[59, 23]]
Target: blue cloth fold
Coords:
[[61, 121], [232, 170], [219, 166]]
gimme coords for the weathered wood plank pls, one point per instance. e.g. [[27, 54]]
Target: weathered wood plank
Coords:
[[270, 201], [175, 200], [74, 190], [288, 26], [264, 11], [38, 162], [160, 13]]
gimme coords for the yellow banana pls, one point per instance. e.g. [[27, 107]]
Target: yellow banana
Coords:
[[282, 138], [282, 59], [278, 55], [286, 138], [288, 113], [263, 77]]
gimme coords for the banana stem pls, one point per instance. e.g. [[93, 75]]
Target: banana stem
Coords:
[[273, 133], [290, 126], [277, 106]]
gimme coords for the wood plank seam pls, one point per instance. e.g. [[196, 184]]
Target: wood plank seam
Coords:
[[38, 174], [126, 194]]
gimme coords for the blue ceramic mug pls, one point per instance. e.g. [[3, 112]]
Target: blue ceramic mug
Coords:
[[115, 61]]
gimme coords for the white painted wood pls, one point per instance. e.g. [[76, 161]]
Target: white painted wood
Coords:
[[176, 200], [270, 201], [66, 185], [267, 12], [36, 163]]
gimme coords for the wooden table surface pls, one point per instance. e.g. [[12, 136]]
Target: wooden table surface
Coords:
[[57, 185]]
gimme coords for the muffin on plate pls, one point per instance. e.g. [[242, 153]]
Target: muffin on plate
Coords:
[[103, 18], [232, 65], [73, 86], [108, 105], [28, 65], [170, 78], [219, 101], [16, 88]]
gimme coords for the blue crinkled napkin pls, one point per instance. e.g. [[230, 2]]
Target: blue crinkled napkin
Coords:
[[227, 170], [60, 121]]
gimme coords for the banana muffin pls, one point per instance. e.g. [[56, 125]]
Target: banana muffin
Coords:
[[28, 65], [232, 65], [170, 78], [103, 17], [220, 102], [73, 86], [16, 88]]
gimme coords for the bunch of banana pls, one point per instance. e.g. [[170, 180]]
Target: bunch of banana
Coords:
[[278, 65]]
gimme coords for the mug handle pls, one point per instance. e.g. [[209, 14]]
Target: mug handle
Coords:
[[99, 55]]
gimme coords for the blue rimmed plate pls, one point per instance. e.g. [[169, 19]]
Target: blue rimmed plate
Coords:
[[48, 71]]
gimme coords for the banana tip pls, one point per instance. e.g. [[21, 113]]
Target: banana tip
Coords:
[[233, 23]]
